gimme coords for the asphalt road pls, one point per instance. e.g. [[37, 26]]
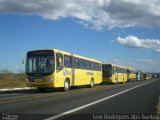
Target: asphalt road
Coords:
[[83, 103]]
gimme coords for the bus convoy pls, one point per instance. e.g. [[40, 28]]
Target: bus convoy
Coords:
[[52, 68]]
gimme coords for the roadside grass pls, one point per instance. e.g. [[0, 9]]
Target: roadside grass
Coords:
[[10, 80]]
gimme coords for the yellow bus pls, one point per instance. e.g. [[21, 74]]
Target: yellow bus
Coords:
[[131, 74], [147, 76], [52, 68], [114, 73]]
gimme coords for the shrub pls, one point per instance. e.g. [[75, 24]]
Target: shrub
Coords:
[[11, 80]]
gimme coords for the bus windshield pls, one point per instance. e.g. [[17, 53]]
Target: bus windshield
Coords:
[[107, 71], [40, 64]]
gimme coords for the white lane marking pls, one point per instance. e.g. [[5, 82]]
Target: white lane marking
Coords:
[[93, 103]]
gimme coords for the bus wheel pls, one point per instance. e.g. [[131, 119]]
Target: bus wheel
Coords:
[[66, 85], [92, 83], [41, 89], [123, 82]]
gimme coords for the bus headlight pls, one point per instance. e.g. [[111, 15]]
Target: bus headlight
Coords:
[[51, 79], [30, 79]]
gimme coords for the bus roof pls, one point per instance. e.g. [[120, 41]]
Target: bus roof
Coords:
[[131, 69], [116, 65], [78, 56]]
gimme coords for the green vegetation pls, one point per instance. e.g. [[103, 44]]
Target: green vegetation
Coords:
[[11, 80]]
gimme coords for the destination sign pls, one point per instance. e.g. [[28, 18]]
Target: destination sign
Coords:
[[40, 52]]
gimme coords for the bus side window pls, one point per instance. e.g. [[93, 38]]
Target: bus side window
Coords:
[[75, 62], [92, 65], [88, 65], [81, 64], [96, 67], [59, 62], [67, 61]]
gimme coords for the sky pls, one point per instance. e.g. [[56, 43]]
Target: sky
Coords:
[[123, 32]]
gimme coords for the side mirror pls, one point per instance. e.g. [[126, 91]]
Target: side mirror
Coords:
[[22, 60]]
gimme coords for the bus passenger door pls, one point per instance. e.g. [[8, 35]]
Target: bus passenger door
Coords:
[[73, 76], [116, 74], [76, 76], [59, 70]]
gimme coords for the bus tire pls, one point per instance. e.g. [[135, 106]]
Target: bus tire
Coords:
[[91, 83], [123, 82], [66, 85], [116, 81], [41, 89]]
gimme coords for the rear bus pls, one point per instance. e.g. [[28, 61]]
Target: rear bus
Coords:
[[114, 73]]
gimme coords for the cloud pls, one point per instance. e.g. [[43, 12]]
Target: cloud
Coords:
[[116, 61], [135, 42], [147, 65], [145, 61], [144, 65], [158, 50], [96, 14]]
